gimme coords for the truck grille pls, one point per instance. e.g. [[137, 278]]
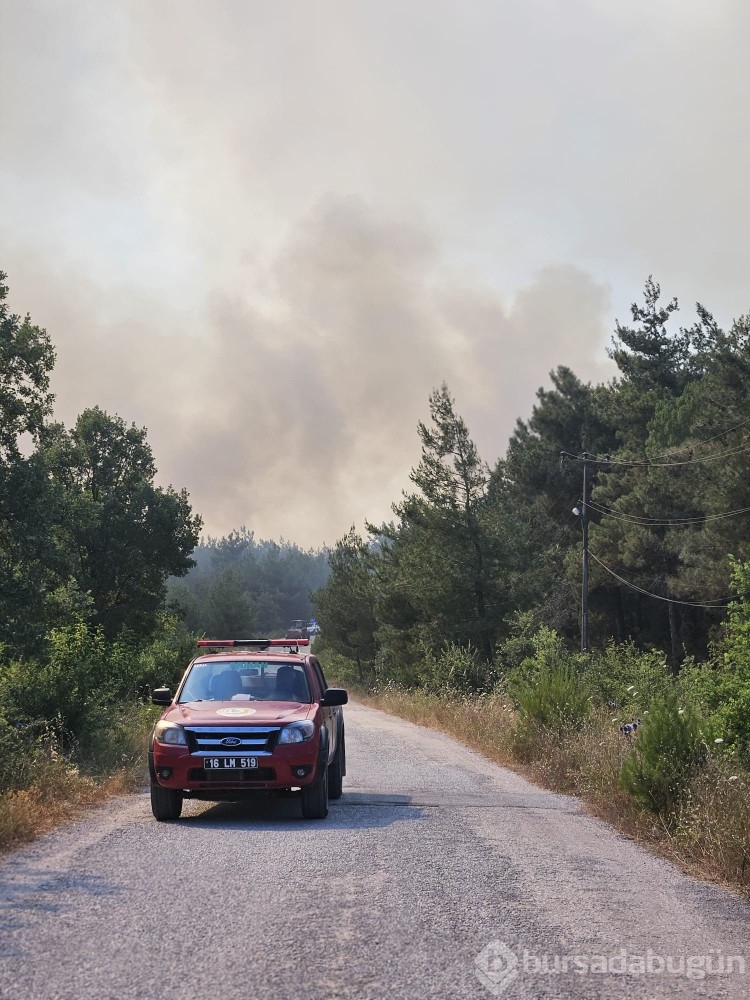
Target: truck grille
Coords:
[[252, 739]]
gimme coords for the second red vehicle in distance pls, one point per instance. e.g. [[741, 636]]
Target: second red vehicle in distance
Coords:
[[248, 716]]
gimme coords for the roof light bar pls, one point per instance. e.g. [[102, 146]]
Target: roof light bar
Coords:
[[234, 642], [259, 643]]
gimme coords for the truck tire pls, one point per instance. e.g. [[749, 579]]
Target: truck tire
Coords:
[[315, 796], [166, 803], [336, 770]]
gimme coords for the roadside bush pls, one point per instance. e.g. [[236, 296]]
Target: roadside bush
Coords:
[[626, 680], [22, 749], [162, 662], [722, 697], [550, 708], [121, 745], [668, 753], [557, 702], [65, 690], [720, 689], [398, 659], [77, 697], [519, 646], [339, 669], [546, 655], [456, 668]]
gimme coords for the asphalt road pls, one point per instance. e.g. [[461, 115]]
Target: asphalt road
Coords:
[[437, 874]]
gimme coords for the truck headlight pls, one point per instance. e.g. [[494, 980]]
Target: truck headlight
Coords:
[[297, 732], [168, 732]]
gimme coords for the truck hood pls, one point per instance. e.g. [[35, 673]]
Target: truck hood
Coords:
[[234, 713]]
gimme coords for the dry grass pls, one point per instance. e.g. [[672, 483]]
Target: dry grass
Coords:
[[57, 795], [58, 792], [712, 837]]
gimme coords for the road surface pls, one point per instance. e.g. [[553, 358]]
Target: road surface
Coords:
[[437, 875]]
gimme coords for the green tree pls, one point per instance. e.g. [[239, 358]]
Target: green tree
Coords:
[[124, 534], [532, 493], [228, 612], [345, 606], [30, 558], [439, 579], [275, 577], [666, 498], [26, 360], [653, 365]]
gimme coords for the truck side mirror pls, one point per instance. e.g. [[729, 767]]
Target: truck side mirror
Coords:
[[161, 696], [334, 696]]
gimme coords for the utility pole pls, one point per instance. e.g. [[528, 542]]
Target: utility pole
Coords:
[[585, 584], [581, 510]]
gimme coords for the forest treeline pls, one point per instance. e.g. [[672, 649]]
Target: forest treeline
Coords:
[[478, 559], [243, 586]]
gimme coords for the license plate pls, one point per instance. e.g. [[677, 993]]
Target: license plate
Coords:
[[229, 763]]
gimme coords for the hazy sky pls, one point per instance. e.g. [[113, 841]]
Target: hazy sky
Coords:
[[267, 230]]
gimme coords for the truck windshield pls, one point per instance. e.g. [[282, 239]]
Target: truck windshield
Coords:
[[245, 680]]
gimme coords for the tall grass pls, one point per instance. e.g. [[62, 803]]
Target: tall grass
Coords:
[[53, 786]]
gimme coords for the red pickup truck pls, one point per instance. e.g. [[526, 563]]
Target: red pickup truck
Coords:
[[249, 716]]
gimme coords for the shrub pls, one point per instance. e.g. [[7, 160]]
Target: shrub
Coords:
[[720, 689], [721, 697], [163, 660], [626, 680], [22, 749], [545, 654], [77, 698], [338, 669], [65, 689], [456, 668], [558, 701], [668, 752]]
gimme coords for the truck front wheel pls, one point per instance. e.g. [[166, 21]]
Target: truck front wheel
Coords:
[[166, 803], [336, 770], [315, 796]]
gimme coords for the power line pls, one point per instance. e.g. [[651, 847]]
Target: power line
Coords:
[[723, 433], [656, 521], [657, 458], [719, 602], [699, 444], [654, 463]]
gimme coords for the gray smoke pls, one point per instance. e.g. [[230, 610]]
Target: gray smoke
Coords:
[[268, 231]]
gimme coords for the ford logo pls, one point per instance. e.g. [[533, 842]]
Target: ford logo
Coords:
[[231, 741]]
